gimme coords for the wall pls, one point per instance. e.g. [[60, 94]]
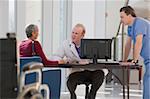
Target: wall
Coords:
[[84, 12], [90, 13], [34, 14], [112, 17], [47, 26], [100, 19], [142, 8], [4, 13], [20, 19], [27, 12]]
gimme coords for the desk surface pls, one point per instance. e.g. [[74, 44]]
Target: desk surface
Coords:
[[111, 66]]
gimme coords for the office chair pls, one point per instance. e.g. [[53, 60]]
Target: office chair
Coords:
[[87, 84], [87, 89]]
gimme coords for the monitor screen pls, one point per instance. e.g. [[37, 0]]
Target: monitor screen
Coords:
[[96, 49]]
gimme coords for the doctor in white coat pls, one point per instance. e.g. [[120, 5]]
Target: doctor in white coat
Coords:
[[70, 51]]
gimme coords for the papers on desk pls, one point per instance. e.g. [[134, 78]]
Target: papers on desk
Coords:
[[83, 62]]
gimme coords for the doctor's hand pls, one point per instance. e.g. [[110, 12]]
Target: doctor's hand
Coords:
[[84, 61]]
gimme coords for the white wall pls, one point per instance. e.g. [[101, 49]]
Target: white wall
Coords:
[[27, 12], [4, 12], [83, 11], [34, 14], [91, 13], [21, 19], [56, 25], [47, 26], [142, 8], [113, 17], [100, 19]]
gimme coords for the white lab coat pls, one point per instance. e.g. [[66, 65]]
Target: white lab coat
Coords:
[[68, 52]]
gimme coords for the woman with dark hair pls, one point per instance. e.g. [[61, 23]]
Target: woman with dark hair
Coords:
[[32, 47]]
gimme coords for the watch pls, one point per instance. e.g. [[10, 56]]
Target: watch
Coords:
[[135, 61]]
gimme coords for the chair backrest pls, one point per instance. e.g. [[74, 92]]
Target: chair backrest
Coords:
[[25, 60], [52, 78], [31, 76], [87, 89]]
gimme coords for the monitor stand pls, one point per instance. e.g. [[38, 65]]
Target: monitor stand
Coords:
[[95, 60]]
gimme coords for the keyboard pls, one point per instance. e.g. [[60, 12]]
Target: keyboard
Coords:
[[108, 62]]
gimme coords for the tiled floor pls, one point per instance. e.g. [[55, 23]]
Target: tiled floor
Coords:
[[110, 91]]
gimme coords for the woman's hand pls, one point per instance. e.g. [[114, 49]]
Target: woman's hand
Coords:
[[61, 62]]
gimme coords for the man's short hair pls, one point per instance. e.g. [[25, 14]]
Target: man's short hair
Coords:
[[82, 26], [128, 10], [29, 29]]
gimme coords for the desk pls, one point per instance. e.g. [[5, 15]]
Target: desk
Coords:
[[107, 66]]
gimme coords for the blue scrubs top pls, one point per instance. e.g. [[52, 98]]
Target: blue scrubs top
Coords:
[[141, 26]]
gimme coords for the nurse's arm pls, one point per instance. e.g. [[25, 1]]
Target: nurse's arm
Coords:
[[137, 47], [127, 49]]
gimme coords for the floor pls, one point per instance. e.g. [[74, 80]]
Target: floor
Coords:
[[108, 91]]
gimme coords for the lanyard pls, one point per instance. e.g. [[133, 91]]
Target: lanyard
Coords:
[[33, 49]]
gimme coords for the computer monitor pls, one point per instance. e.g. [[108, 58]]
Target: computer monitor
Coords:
[[96, 49]]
